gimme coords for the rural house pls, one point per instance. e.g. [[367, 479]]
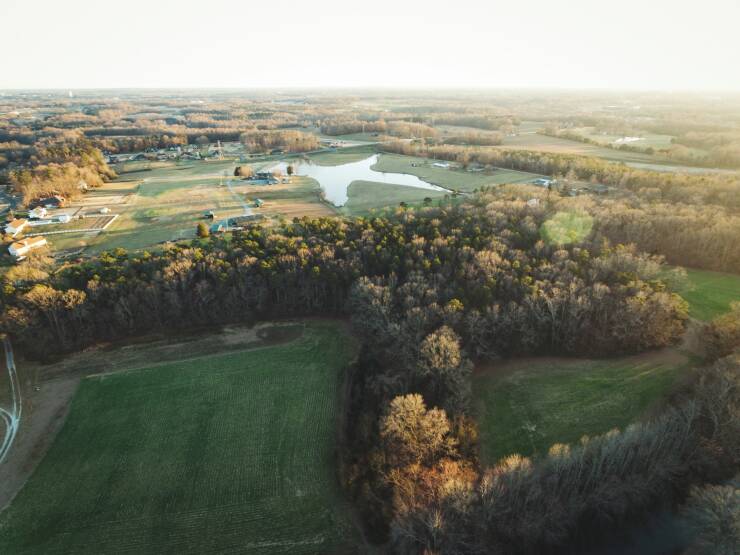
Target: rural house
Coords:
[[16, 226], [263, 178], [55, 201], [21, 248], [38, 213]]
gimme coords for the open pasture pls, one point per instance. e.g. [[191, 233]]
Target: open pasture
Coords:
[[223, 453], [451, 178], [364, 196], [709, 294], [526, 405]]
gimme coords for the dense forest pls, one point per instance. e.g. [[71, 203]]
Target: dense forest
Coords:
[[515, 292]]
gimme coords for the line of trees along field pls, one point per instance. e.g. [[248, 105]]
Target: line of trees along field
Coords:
[[706, 189], [429, 292], [523, 294]]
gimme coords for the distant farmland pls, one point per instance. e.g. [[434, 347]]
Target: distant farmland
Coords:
[[225, 453]]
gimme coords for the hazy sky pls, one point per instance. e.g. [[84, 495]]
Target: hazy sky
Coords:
[[626, 44]]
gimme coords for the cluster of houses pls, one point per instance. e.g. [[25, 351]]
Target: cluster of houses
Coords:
[[190, 152], [38, 214], [19, 249]]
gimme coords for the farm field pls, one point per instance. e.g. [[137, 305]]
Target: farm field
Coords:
[[224, 453], [364, 196], [526, 405], [531, 140], [709, 294], [449, 178], [646, 140], [527, 138]]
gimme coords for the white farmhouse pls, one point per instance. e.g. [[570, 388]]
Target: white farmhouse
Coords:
[[16, 226], [22, 248]]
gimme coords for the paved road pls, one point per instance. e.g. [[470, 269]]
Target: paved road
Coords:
[[12, 416]]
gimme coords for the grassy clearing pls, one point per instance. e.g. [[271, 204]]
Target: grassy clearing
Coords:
[[226, 453], [364, 196], [300, 197], [449, 178], [709, 294], [525, 406]]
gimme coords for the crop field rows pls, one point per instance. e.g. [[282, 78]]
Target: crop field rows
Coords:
[[227, 453]]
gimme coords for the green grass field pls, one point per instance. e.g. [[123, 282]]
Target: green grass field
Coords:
[[364, 196], [449, 178], [525, 406], [709, 294], [225, 453]]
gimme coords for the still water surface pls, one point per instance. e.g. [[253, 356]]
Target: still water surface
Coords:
[[334, 180]]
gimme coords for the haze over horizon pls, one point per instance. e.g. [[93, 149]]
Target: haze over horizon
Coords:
[[224, 44]]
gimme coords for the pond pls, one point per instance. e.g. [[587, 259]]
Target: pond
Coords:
[[334, 180]]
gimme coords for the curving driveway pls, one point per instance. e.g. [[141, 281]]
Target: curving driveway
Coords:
[[11, 417]]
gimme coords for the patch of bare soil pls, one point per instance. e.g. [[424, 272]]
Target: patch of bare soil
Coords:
[[667, 356], [44, 413], [154, 349]]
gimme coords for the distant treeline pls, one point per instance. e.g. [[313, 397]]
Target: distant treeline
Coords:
[[477, 139], [403, 129], [289, 141], [491, 123]]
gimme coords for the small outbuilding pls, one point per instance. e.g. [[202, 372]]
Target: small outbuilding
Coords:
[[38, 213], [543, 182]]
